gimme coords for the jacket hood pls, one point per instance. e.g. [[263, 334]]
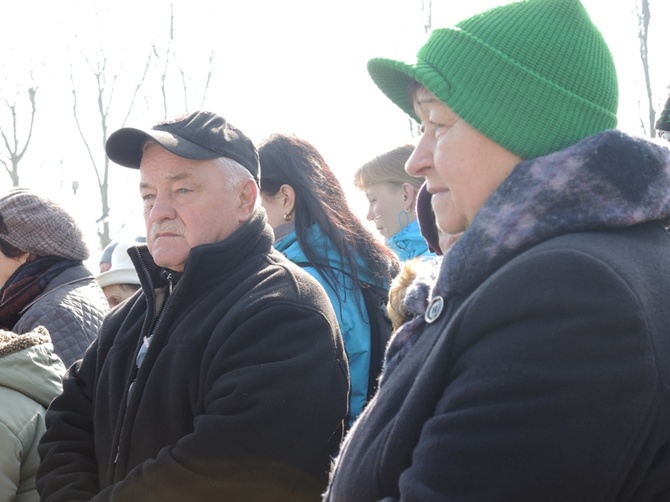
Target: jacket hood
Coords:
[[290, 247], [29, 365], [409, 243]]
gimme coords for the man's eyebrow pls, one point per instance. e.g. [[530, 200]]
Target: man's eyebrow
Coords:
[[175, 177]]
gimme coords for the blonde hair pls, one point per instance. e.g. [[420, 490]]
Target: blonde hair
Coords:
[[395, 307], [388, 167]]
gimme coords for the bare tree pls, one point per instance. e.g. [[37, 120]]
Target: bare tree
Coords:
[[171, 57], [643, 18], [427, 13], [14, 151], [106, 82], [427, 16]]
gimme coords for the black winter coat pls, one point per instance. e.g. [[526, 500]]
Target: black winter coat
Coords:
[[241, 396], [548, 382], [541, 370]]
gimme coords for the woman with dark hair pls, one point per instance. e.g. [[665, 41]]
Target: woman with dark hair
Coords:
[[316, 229]]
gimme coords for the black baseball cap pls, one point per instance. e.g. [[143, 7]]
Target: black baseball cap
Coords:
[[199, 135]]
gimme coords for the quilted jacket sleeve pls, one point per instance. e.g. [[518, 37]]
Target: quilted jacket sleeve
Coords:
[[72, 313]]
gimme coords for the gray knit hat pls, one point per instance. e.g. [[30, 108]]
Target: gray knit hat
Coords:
[[40, 226]]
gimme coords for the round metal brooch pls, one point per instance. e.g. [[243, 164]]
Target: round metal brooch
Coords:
[[434, 309]]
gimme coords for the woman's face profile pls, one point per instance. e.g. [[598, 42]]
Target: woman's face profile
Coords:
[[386, 205], [462, 167]]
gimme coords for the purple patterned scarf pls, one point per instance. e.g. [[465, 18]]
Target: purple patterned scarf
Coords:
[[609, 180]]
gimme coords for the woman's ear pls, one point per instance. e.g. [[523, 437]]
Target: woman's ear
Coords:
[[409, 196], [287, 195]]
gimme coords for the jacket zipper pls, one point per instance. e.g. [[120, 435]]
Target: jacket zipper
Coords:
[[161, 314]]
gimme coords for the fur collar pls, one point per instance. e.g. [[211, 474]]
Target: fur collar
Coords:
[[11, 342]]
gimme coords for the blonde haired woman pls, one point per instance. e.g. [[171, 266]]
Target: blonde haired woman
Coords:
[[391, 194]]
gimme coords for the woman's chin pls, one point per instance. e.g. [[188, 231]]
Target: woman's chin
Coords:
[[451, 224]]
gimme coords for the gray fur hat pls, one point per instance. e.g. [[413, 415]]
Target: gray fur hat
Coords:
[[39, 226]]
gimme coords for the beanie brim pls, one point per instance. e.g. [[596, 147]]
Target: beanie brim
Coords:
[[479, 83], [393, 79]]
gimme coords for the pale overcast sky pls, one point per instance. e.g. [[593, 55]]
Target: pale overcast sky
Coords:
[[279, 66]]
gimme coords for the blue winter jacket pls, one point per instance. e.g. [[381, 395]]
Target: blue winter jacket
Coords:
[[408, 243], [348, 305]]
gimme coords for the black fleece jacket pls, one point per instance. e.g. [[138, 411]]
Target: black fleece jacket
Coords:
[[241, 396]]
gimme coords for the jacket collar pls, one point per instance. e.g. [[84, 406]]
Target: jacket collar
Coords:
[[209, 262]]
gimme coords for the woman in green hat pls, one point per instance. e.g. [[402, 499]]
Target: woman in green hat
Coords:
[[541, 368]]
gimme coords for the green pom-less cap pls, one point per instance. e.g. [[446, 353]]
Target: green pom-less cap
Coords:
[[534, 76]]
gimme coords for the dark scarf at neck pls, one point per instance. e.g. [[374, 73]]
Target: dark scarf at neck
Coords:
[[609, 180], [26, 284]]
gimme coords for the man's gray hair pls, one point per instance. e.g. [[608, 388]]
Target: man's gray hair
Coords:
[[235, 174]]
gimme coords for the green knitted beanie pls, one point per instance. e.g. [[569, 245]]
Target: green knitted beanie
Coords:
[[535, 76]]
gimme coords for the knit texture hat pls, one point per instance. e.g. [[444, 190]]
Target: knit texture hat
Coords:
[[39, 226], [663, 121], [535, 76]]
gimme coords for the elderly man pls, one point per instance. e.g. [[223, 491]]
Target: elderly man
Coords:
[[226, 379]]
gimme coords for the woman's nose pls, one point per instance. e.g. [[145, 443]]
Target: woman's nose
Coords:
[[420, 159]]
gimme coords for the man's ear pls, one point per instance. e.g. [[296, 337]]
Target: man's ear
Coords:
[[409, 196], [248, 194]]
